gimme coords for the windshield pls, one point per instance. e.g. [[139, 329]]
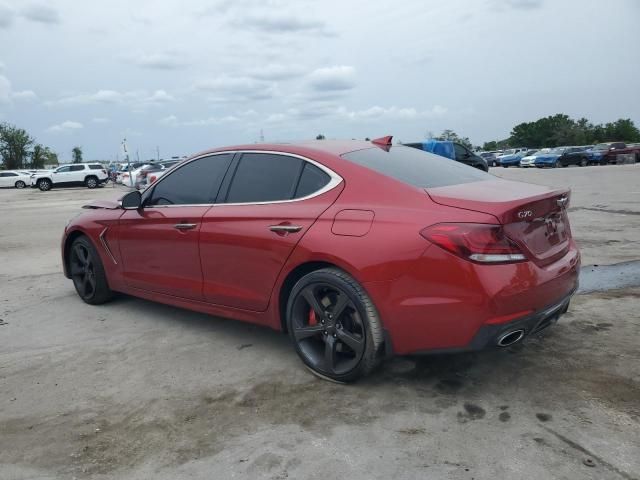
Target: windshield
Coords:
[[601, 146], [416, 167], [509, 152]]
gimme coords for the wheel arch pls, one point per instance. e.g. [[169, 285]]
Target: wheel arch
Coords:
[[67, 247]]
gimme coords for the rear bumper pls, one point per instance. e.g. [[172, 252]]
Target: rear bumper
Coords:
[[448, 304], [489, 335]]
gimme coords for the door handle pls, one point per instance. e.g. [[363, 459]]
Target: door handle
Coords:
[[185, 226], [285, 228]]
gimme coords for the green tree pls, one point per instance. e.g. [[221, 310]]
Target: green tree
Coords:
[[76, 154], [14, 146], [450, 135], [51, 157], [38, 156], [490, 146]]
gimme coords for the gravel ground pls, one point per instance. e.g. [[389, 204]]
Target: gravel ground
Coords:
[[138, 390]]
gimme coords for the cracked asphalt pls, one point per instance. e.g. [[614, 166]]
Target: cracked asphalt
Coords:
[[136, 390]]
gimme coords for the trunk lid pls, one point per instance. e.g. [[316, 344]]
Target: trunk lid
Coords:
[[533, 216]]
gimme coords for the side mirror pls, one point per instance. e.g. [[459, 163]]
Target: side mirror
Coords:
[[132, 200]]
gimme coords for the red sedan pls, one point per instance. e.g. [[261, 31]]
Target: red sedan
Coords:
[[358, 250]]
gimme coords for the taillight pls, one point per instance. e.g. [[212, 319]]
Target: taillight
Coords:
[[104, 171], [476, 242], [152, 179]]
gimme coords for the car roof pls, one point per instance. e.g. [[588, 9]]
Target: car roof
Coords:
[[334, 147]]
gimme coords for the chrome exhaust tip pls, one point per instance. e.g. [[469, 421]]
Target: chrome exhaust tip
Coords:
[[510, 338]]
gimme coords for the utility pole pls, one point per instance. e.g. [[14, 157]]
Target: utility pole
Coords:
[[158, 153], [126, 153]]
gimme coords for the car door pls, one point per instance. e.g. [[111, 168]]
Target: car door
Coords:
[[271, 201], [159, 241], [62, 175], [7, 179]]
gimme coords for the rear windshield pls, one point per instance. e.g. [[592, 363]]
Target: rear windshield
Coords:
[[416, 167]]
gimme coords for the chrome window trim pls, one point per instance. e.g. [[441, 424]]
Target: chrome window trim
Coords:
[[334, 180]]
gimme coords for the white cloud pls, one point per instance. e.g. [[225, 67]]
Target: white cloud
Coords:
[[5, 89], [161, 61], [26, 95], [139, 98], [226, 89], [336, 78], [173, 121], [67, 126], [41, 13], [7, 14], [100, 120], [280, 22]]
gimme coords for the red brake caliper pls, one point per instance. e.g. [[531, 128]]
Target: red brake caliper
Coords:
[[312, 317]]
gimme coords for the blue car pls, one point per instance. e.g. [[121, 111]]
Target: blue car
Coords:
[[511, 158], [550, 158]]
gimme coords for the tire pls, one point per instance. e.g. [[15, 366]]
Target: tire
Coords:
[[584, 162], [44, 184], [91, 182], [342, 347], [20, 184], [87, 272]]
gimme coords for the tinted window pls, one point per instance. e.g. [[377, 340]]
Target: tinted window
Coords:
[[460, 151], [76, 168], [8, 174], [312, 180], [263, 177], [63, 169], [415, 167], [195, 183], [96, 167]]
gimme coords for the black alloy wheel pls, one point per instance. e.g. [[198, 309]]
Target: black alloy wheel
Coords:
[[334, 325], [87, 272]]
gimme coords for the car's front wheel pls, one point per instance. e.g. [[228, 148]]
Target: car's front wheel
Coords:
[[91, 182], [87, 272], [584, 162], [334, 325], [44, 184], [20, 184]]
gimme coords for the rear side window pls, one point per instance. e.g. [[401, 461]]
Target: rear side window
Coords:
[[264, 177], [416, 167], [96, 167], [311, 180], [76, 168], [195, 183]]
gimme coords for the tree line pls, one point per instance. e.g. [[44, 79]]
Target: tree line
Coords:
[[18, 149], [560, 130]]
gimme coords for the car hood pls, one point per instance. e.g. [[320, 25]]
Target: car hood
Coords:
[[530, 157], [103, 204]]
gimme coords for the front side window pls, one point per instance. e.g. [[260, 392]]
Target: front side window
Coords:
[[195, 183], [63, 169], [264, 177], [8, 174], [461, 152]]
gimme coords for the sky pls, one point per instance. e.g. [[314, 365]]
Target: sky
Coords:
[[177, 77]]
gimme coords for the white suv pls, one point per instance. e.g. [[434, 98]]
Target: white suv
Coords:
[[90, 175]]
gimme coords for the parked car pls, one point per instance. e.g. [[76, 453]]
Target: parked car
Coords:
[[575, 156], [550, 158], [512, 157], [491, 158], [605, 153], [14, 178], [453, 150], [125, 169], [90, 175], [528, 160], [142, 177], [301, 240]]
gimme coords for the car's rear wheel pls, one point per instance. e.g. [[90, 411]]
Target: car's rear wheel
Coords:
[[87, 272], [44, 184], [584, 162], [20, 184], [334, 325], [91, 182]]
